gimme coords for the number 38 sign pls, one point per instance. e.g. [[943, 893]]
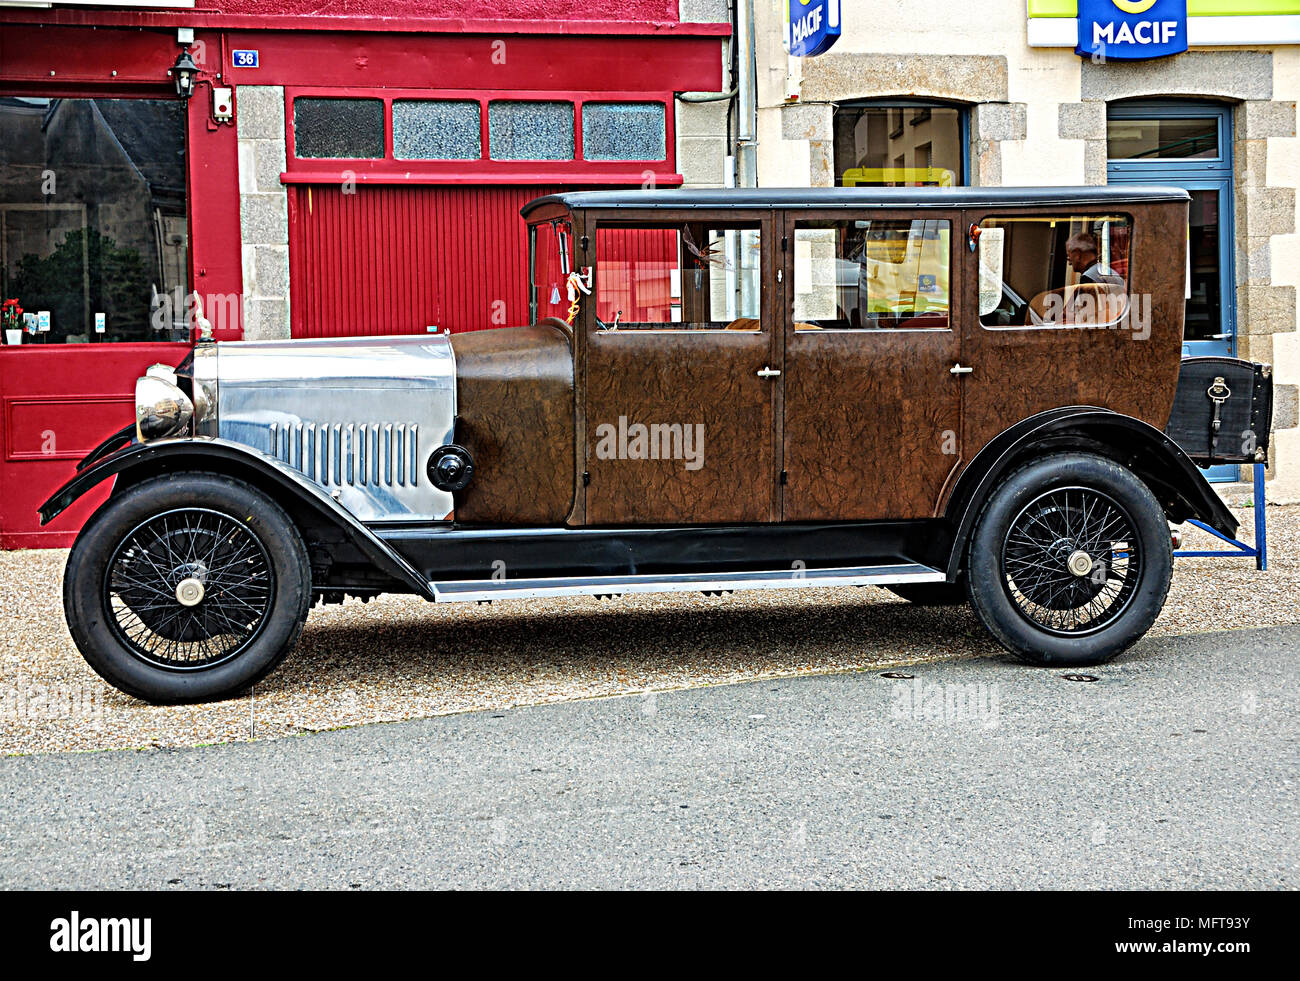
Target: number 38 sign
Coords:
[[811, 26]]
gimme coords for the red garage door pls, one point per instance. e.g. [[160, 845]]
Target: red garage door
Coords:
[[399, 260]]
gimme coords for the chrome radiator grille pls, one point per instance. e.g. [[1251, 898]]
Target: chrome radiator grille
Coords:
[[382, 455]]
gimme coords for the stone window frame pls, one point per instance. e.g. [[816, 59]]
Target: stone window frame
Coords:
[[978, 83]]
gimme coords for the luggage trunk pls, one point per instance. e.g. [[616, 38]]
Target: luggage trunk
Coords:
[[1223, 411]]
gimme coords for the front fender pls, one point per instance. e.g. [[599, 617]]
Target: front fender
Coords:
[[212, 455], [1180, 487]]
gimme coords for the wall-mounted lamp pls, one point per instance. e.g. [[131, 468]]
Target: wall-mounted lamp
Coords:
[[184, 73]]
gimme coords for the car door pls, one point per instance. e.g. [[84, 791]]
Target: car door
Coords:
[[680, 384], [872, 397]]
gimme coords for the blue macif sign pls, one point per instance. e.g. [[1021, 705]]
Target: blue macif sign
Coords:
[[811, 26], [1132, 30]]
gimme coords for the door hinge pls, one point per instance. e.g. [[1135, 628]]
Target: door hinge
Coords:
[[785, 478], [785, 243], [586, 479], [584, 242]]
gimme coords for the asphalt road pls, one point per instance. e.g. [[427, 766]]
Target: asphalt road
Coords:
[[1178, 768]]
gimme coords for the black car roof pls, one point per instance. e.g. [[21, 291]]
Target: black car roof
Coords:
[[865, 197]]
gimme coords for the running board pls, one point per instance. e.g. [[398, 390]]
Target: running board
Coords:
[[477, 590]]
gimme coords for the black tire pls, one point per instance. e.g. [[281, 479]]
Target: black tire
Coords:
[[933, 593], [120, 588], [1046, 513]]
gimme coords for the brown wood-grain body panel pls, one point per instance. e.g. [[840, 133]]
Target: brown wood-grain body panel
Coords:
[[681, 377], [872, 422], [1129, 368], [515, 413]]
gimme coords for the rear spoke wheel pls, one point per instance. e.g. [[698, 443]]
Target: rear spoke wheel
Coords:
[[1071, 561]]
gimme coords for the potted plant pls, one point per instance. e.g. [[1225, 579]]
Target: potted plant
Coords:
[[11, 315]]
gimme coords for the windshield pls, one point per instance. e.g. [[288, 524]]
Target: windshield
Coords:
[[550, 248]]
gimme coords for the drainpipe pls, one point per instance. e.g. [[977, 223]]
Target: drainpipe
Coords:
[[747, 83]]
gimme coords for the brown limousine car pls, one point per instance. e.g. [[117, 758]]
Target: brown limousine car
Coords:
[[954, 394]]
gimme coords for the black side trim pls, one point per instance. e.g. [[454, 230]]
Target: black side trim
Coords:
[[444, 552], [114, 442]]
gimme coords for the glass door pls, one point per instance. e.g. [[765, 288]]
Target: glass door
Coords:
[[1189, 145]]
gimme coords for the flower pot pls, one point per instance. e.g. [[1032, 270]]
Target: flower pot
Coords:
[[13, 336]]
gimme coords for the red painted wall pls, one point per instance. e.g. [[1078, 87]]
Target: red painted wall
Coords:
[[82, 394], [654, 10]]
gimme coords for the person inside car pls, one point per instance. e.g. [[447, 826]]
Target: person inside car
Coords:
[[1084, 256]]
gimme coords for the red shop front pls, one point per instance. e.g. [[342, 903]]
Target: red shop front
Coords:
[[363, 175]]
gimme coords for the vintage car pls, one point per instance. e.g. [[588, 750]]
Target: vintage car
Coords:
[[950, 393]]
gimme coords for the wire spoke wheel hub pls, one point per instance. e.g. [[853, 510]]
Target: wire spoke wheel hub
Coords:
[[1071, 561], [189, 588]]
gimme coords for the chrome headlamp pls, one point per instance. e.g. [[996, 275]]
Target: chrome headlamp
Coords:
[[196, 376], [161, 408]]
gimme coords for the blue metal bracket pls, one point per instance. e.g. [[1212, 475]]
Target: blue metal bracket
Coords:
[[1240, 549]]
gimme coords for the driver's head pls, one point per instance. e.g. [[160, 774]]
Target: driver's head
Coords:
[[1082, 251]]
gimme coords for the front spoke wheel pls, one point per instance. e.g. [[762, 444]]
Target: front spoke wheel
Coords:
[[189, 588]]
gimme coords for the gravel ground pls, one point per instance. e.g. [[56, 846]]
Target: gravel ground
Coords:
[[400, 658]]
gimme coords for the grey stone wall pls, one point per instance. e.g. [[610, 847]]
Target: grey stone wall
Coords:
[[991, 125], [263, 211], [702, 143], [813, 122]]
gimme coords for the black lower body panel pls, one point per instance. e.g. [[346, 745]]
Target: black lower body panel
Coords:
[[444, 552]]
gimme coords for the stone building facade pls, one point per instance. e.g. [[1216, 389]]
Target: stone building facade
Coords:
[[1036, 113]]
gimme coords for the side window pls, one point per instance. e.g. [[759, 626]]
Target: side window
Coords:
[[872, 275], [1054, 272], [689, 276], [94, 245]]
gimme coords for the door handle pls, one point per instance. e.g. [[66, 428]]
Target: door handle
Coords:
[[957, 369], [769, 373]]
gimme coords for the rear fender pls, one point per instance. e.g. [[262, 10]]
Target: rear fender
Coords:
[[1178, 485]]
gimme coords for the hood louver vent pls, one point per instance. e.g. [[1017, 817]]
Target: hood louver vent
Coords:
[[379, 455]]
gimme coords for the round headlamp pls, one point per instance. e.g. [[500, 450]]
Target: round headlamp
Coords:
[[161, 408]]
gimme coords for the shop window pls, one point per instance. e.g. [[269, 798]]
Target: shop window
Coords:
[[1163, 139], [94, 237], [695, 276], [899, 146], [1054, 271], [530, 130], [623, 131], [440, 129], [872, 275], [338, 128]]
